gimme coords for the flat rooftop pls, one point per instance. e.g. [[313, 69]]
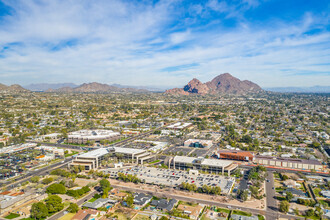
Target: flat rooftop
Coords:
[[237, 153], [292, 160], [95, 153], [203, 161], [179, 125], [126, 150], [216, 162], [184, 159], [91, 134]]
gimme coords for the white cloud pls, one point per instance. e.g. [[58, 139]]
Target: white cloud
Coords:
[[121, 42]]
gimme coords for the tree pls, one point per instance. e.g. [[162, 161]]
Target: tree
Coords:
[[244, 195], [318, 211], [163, 218], [246, 139], [54, 203], [35, 179], [129, 200], [48, 180], [39, 210], [105, 193], [310, 212], [73, 208], [56, 188], [289, 196], [284, 206], [105, 184]]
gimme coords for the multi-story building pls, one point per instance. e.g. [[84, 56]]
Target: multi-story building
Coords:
[[290, 163], [93, 159], [85, 136], [209, 165], [235, 155]]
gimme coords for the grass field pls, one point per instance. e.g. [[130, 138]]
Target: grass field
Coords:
[[12, 216], [223, 210], [156, 161], [73, 153], [238, 212], [92, 200]]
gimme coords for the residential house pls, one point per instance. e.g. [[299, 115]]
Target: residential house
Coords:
[[85, 214], [141, 199], [295, 192], [100, 203], [164, 204]]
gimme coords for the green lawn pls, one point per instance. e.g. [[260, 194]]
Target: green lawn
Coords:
[[281, 198], [92, 200], [317, 192], [156, 161], [73, 153], [261, 217], [12, 216], [325, 203], [310, 217], [238, 212], [222, 210]]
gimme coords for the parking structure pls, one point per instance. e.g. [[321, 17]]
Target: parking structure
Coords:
[[173, 178]]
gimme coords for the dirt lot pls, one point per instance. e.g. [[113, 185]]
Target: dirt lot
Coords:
[[84, 182], [123, 213], [300, 207], [291, 175]]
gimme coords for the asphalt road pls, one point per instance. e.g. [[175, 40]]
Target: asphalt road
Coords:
[[289, 171], [269, 215], [270, 194], [67, 146], [79, 203], [38, 172], [272, 211]]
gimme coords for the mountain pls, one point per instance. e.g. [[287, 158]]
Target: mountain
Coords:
[[196, 86], [313, 89], [12, 88], [151, 89], [222, 84], [95, 87], [46, 86]]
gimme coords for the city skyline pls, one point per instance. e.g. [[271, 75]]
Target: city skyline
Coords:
[[165, 43]]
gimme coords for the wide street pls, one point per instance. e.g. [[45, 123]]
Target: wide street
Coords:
[[39, 172]]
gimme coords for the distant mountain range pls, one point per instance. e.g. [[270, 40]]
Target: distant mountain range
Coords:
[[222, 84], [45, 86], [12, 88], [313, 89], [95, 87], [42, 87]]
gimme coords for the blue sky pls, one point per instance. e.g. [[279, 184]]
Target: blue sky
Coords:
[[165, 43]]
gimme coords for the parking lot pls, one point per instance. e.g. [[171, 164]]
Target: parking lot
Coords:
[[174, 178], [179, 150]]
